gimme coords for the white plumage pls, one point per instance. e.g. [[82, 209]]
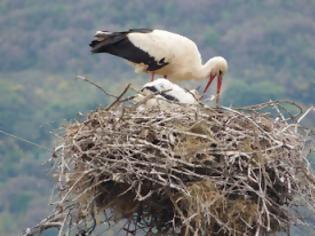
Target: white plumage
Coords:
[[173, 91], [167, 95], [161, 52], [179, 52]]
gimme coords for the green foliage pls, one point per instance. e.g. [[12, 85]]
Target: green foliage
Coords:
[[211, 37], [269, 45], [20, 203], [33, 108], [7, 223], [245, 93]]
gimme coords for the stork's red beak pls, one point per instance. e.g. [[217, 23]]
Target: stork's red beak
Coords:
[[212, 76], [219, 85]]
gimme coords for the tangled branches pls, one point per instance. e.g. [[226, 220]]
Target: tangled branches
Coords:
[[189, 170]]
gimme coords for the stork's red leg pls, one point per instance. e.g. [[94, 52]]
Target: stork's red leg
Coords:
[[152, 76]]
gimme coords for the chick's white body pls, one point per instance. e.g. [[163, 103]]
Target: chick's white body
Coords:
[[167, 95]]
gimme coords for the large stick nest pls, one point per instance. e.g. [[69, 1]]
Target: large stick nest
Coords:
[[188, 170]]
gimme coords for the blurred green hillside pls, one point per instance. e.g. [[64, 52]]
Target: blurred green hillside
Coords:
[[270, 46]]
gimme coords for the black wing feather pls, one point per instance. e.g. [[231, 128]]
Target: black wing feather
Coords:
[[118, 44], [163, 94]]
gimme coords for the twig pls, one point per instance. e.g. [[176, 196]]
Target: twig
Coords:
[[83, 78], [24, 140], [118, 98], [306, 113]]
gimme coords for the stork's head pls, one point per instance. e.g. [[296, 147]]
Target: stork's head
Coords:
[[218, 66]]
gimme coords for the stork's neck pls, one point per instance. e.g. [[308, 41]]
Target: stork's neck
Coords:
[[205, 69]]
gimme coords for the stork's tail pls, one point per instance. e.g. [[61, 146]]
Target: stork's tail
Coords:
[[103, 39]]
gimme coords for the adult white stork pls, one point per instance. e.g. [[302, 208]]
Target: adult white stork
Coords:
[[161, 52]]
